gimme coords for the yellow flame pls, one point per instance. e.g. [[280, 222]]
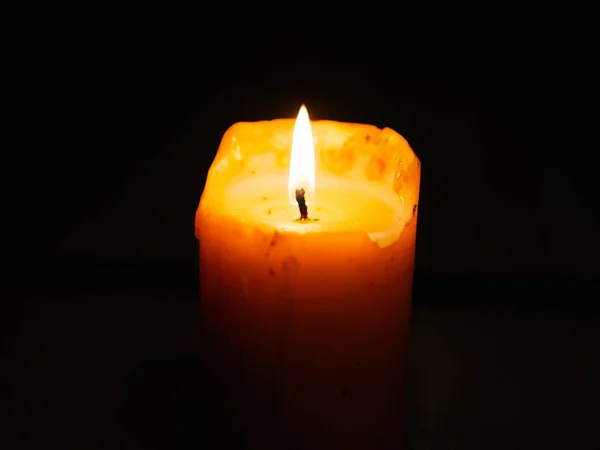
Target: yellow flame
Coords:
[[302, 161]]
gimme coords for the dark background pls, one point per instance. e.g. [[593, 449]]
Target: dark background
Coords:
[[110, 120]]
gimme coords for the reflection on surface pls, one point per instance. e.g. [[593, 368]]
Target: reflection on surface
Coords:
[[125, 371]]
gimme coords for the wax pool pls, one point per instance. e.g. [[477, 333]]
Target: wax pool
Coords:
[[306, 322]]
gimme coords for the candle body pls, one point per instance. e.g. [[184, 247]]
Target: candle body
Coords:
[[307, 324]]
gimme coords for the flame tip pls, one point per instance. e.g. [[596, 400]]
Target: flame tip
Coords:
[[303, 112]]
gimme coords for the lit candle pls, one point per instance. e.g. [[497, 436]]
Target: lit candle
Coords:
[[307, 240]]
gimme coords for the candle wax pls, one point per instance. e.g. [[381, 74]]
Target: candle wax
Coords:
[[341, 206], [307, 321]]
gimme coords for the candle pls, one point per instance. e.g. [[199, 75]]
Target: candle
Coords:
[[307, 240]]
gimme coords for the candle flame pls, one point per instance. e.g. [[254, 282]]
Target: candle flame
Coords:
[[302, 161]]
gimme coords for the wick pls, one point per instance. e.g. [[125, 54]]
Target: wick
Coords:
[[302, 204]]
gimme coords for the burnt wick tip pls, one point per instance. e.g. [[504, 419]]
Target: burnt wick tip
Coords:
[[302, 203]]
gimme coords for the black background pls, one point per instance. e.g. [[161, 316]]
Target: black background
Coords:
[[111, 118]]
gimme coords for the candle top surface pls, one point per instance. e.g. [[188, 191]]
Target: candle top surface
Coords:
[[366, 179]]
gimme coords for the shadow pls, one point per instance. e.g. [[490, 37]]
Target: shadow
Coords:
[[517, 292], [164, 404]]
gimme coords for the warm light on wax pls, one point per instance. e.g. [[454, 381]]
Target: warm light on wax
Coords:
[[305, 319], [302, 160]]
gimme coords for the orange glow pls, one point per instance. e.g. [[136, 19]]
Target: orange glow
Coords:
[[302, 161]]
